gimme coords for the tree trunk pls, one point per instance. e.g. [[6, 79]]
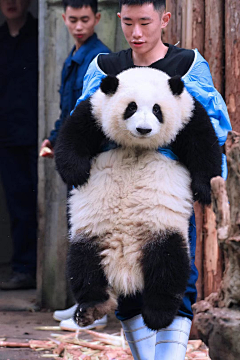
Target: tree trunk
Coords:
[[212, 253], [218, 316], [232, 61], [198, 23], [213, 49], [173, 33]]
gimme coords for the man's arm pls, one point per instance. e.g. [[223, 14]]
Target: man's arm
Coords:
[[47, 146], [92, 81]]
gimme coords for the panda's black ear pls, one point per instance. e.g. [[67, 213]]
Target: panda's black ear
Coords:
[[176, 85], [109, 85]]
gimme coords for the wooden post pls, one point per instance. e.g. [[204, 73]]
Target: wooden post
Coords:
[[54, 46], [173, 33], [232, 61], [214, 31], [186, 24], [212, 254], [198, 23], [187, 9], [198, 210]]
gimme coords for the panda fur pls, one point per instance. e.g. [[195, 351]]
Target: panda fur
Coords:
[[131, 205]]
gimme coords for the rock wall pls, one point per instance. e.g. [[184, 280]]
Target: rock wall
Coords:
[[217, 318]]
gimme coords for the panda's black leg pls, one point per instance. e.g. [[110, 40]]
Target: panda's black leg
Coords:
[[166, 269], [88, 281]]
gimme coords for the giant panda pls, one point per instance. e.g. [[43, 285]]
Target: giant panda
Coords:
[[131, 205]]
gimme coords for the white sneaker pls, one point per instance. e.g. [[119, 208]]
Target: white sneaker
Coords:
[[70, 324], [60, 315]]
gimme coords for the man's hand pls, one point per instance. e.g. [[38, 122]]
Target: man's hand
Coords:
[[46, 149]]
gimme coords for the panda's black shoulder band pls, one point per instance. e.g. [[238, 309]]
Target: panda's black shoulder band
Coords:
[[109, 85], [176, 85]]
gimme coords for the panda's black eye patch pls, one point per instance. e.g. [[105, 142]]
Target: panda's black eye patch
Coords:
[[130, 110], [157, 112]]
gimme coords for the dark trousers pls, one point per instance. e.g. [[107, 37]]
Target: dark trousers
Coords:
[[18, 171], [130, 306]]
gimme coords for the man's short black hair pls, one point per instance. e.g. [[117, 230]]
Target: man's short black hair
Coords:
[[80, 3], [158, 4]]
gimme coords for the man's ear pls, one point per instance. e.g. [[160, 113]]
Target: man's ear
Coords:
[[176, 85], [97, 18], [109, 85], [165, 19], [64, 17]]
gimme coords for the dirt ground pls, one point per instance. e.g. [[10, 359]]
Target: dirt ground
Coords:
[[19, 326], [19, 320]]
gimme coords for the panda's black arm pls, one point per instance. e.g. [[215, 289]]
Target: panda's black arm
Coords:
[[79, 140], [198, 149]]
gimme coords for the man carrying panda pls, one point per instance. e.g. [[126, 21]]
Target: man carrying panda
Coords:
[[142, 23]]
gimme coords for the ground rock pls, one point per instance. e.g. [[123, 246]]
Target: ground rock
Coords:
[[219, 328]]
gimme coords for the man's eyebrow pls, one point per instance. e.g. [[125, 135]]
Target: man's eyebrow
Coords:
[[142, 19], [81, 17]]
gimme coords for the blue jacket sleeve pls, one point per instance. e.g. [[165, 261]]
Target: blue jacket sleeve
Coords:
[[92, 81], [198, 82], [54, 132]]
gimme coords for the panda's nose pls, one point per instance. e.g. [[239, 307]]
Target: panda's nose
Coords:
[[143, 131]]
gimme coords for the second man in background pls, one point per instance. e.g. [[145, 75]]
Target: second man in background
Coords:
[[80, 17]]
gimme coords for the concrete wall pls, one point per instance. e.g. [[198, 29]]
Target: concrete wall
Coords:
[[54, 46]]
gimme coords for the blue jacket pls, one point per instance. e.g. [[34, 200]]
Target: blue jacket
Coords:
[[198, 82], [74, 69]]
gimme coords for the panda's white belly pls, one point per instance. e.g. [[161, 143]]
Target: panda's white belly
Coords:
[[127, 199]]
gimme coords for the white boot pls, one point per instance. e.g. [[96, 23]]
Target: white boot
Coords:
[[140, 339], [171, 342], [60, 315]]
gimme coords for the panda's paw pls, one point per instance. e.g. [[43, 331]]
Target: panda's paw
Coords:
[[84, 315], [87, 313], [160, 313], [158, 319], [201, 193]]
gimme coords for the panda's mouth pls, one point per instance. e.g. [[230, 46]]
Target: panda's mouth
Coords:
[[146, 136]]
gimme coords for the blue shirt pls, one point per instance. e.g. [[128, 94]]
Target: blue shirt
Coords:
[[74, 69]]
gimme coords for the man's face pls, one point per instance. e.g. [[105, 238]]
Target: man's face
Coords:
[[142, 26], [80, 23], [14, 9]]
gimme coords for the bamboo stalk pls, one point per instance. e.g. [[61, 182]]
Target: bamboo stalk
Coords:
[[14, 344]]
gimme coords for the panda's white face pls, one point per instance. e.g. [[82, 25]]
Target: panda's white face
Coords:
[[140, 122], [140, 109]]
